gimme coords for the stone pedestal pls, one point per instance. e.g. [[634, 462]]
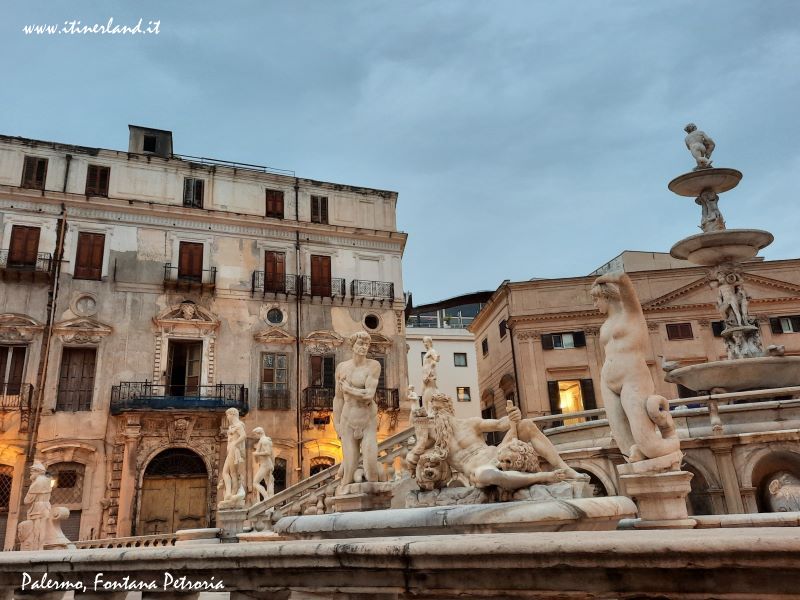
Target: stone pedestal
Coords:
[[661, 497], [231, 522], [363, 496], [194, 537]]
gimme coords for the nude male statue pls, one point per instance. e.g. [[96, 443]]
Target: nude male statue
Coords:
[[461, 443], [262, 452], [355, 412], [700, 145], [639, 419], [728, 303]]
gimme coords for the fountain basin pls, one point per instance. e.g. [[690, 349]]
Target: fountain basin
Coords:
[[763, 372], [694, 183], [716, 247]]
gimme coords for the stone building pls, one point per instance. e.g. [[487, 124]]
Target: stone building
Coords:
[[144, 292]]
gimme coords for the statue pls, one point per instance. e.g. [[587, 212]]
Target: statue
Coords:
[[700, 145], [711, 219], [266, 463], [461, 444], [733, 302], [429, 362], [783, 492], [42, 529], [355, 412], [413, 398], [639, 419], [233, 471]]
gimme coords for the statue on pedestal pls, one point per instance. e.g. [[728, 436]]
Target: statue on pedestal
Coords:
[[355, 412], [639, 419], [429, 363], [711, 219], [265, 461], [42, 529], [700, 145], [233, 471]]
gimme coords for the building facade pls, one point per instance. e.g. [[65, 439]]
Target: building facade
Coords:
[[143, 293]]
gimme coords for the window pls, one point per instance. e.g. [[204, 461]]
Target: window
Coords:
[[275, 316], [149, 143], [789, 324], [320, 275], [679, 331], [717, 327], [320, 463], [193, 192], [485, 346], [274, 381], [24, 247], [279, 474], [97, 180], [422, 358], [76, 379], [319, 209], [89, 256], [462, 393], [503, 326], [563, 341], [569, 396], [190, 261], [275, 204], [459, 359], [493, 438], [12, 364], [372, 322], [275, 272], [322, 371], [34, 172], [68, 478]]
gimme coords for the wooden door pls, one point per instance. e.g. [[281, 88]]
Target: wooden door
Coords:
[[194, 354], [89, 256], [274, 272], [24, 246], [76, 379], [190, 261], [320, 275], [172, 503]]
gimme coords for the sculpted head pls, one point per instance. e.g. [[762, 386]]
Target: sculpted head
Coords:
[[233, 415], [360, 342], [432, 471], [603, 294], [518, 456], [259, 431], [37, 468], [427, 341], [442, 403], [690, 128]]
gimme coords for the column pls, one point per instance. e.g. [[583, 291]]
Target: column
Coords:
[[533, 374], [594, 356], [127, 484], [727, 474]]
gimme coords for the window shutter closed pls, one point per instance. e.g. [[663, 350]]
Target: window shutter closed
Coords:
[[89, 256], [275, 204], [775, 325], [547, 341], [24, 246], [320, 275], [555, 400], [579, 339], [587, 394], [324, 209], [190, 261], [275, 272], [795, 324]]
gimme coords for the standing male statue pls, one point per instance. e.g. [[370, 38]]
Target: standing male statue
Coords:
[[700, 145], [429, 376], [355, 412], [233, 471], [639, 419], [262, 452]]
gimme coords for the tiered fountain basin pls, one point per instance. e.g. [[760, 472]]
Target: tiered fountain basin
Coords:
[[764, 372], [695, 183], [717, 247]]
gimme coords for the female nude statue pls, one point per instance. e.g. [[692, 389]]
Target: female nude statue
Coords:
[[233, 471], [639, 419], [429, 362], [355, 412]]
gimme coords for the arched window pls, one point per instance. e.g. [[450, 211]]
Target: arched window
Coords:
[[320, 463], [174, 463], [279, 474], [68, 491]]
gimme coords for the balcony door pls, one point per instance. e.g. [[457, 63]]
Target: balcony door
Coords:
[[190, 261], [275, 272], [24, 246], [12, 363], [320, 275], [184, 366]]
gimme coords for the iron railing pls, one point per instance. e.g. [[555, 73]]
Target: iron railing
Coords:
[[41, 263], [388, 399], [360, 288], [145, 395], [283, 284], [206, 277], [318, 398], [274, 396], [325, 288]]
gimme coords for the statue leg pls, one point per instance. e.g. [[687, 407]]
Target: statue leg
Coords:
[[350, 457], [369, 453], [647, 437], [257, 479], [617, 420], [270, 484], [508, 480], [529, 432]]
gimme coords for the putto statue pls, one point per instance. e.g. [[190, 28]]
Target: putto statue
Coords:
[[639, 419], [700, 145], [265, 461], [355, 412], [233, 471], [429, 363], [42, 529]]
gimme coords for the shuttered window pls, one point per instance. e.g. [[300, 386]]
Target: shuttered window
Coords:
[[275, 272], [89, 256], [275, 204], [320, 275], [24, 246], [322, 371], [12, 363], [97, 180], [190, 261], [788, 324], [34, 172], [679, 331], [193, 192], [319, 209], [76, 379], [562, 341]]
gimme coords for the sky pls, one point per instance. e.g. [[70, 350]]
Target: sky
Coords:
[[525, 138]]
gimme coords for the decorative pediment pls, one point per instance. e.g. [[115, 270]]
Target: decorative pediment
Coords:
[[82, 330], [17, 329], [273, 335], [187, 318], [699, 288], [379, 343], [322, 341]]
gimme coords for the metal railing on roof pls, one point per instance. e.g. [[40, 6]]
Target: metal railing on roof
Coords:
[[212, 162]]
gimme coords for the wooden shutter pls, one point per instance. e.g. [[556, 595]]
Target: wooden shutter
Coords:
[[320, 275], [274, 271], [193, 192], [198, 193], [275, 203], [316, 371], [578, 339], [328, 371], [34, 172], [323, 210], [315, 218], [795, 321], [190, 261], [76, 379], [14, 382], [24, 246], [89, 256], [547, 341], [775, 325], [587, 394], [555, 399], [97, 180]]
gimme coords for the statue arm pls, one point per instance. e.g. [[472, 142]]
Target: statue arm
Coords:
[[487, 425], [627, 292]]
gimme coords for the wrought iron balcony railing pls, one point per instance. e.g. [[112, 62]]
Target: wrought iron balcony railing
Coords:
[[388, 399], [42, 262], [145, 395], [285, 284], [207, 278], [274, 396], [325, 288], [318, 398], [360, 288]]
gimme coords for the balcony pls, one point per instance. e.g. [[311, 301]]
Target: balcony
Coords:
[[375, 290], [285, 284], [388, 399], [318, 398], [274, 396], [17, 397], [31, 268], [324, 288], [144, 395], [204, 281]]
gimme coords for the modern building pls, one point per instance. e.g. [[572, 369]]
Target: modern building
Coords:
[[446, 324], [142, 293]]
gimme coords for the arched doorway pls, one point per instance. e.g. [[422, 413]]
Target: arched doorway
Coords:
[[320, 463], [174, 493]]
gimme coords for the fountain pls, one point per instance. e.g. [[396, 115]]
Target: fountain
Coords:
[[724, 250]]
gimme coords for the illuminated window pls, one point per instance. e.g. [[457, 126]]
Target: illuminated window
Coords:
[[463, 394], [570, 396]]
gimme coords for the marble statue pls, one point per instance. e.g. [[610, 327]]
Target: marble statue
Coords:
[[461, 444], [711, 218], [429, 363], [42, 529], [355, 412], [265, 461], [639, 419], [413, 398], [233, 470], [700, 145], [783, 492], [729, 302]]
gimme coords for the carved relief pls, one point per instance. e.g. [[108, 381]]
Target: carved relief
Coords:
[[16, 328], [528, 335], [83, 330], [322, 342], [379, 344]]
